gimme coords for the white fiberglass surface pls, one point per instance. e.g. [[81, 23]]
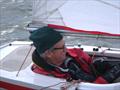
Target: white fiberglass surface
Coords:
[[12, 57]]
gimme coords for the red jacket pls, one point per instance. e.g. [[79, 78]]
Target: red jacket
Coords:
[[81, 57]]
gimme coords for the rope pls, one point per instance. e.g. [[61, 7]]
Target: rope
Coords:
[[44, 88], [65, 85]]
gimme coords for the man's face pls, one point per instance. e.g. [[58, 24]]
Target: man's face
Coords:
[[58, 53]]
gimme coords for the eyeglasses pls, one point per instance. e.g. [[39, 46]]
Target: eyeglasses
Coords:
[[63, 47]]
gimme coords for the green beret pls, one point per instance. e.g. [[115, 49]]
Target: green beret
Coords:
[[44, 38]]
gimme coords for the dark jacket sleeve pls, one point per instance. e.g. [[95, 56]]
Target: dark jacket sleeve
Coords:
[[77, 53]]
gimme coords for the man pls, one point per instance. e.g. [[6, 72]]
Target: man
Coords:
[[51, 57]]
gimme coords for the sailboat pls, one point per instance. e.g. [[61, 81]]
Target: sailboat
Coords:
[[75, 19]]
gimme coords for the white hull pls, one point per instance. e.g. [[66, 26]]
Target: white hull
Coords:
[[12, 56]]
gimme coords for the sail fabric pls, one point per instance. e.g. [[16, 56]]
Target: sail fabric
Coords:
[[47, 11], [84, 15]]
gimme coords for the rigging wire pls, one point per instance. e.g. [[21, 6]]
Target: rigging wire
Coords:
[[24, 61], [108, 4]]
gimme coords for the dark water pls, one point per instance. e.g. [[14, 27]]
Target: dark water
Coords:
[[16, 14]]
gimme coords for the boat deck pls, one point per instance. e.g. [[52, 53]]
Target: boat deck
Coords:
[[12, 58]]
